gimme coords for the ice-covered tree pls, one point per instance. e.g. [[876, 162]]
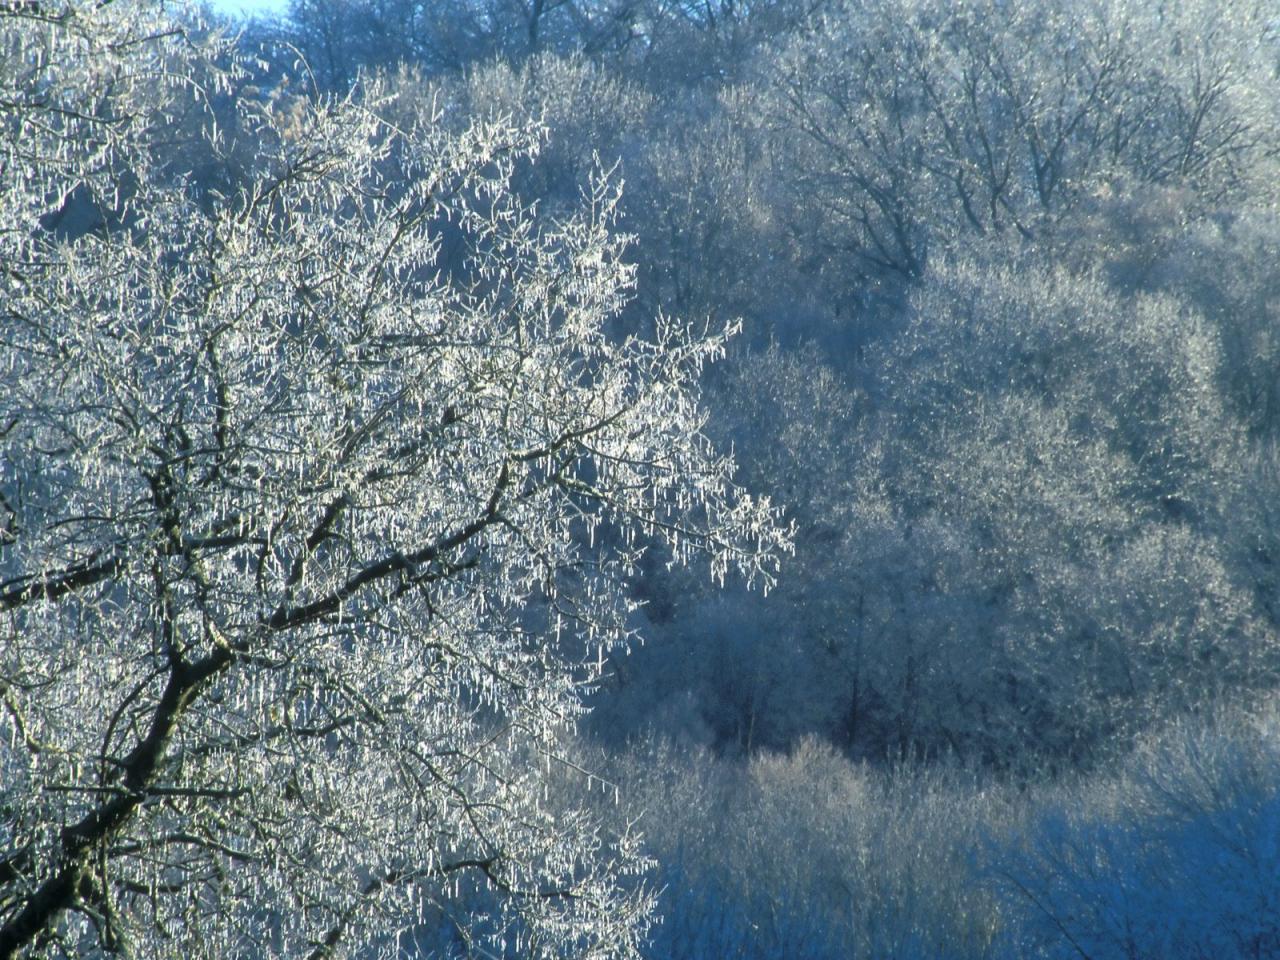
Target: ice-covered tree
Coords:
[[910, 127], [1077, 445], [318, 496]]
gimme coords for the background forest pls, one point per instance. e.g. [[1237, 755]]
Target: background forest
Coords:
[[1009, 283], [1008, 275]]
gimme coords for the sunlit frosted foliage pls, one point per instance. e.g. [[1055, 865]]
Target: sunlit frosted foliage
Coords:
[[914, 123], [1079, 444], [299, 484]]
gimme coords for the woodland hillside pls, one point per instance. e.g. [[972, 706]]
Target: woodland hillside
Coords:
[[788, 479]]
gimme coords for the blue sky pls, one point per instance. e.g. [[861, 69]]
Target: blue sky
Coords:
[[237, 8]]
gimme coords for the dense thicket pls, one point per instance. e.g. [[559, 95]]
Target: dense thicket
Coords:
[[1007, 275], [1004, 272]]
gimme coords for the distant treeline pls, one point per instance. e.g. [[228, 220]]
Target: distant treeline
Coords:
[[1007, 276]]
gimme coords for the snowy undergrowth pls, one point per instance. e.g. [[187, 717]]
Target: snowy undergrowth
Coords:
[[1172, 851]]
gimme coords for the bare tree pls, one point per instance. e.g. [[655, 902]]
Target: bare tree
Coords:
[[341, 38], [911, 125], [306, 528]]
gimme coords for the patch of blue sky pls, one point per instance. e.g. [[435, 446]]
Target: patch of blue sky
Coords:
[[245, 9]]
